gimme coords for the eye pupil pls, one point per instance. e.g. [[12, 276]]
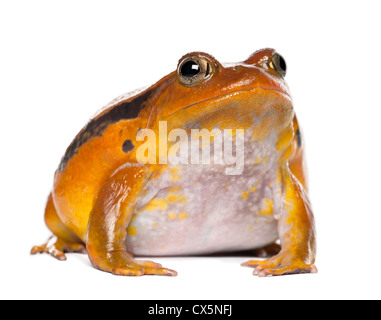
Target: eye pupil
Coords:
[[190, 69], [279, 64], [282, 63]]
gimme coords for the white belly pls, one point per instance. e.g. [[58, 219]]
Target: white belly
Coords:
[[197, 209]]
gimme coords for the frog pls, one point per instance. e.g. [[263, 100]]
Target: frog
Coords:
[[110, 202]]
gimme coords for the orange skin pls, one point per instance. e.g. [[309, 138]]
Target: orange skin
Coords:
[[94, 197]]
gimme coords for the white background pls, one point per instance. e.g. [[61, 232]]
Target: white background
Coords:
[[61, 61]]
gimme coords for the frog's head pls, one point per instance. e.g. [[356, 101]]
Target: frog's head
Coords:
[[263, 69], [205, 93]]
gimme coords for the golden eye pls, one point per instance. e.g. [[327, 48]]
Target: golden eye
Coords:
[[193, 71], [278, 64]]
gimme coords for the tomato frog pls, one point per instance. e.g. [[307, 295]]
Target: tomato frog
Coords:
[[134, 183]]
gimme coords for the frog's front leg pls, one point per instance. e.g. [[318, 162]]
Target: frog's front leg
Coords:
[[107, 228], [296, 232]]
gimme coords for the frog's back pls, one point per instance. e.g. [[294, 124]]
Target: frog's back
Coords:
[[102, 146]]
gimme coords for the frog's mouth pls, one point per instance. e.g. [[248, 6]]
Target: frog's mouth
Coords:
[[221, 97]]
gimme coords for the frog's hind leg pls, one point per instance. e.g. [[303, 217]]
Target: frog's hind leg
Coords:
[[63, 239]]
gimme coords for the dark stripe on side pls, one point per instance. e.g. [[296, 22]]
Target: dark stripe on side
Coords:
[[96, 127], [298, 138]]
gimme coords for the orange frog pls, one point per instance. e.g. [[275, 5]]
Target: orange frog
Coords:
[[134, 182]]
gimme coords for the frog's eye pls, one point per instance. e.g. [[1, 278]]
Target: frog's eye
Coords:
[[278, 64], [193, 70]]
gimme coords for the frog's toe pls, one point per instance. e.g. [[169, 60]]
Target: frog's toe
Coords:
[[57, 248], [259, 263], [139, 270], [160, 272], [151, 267], [122, 263], [285, 270], [144, 263], [52, 250], [148, 263], [40, 249], [278, 266], [128, 271]]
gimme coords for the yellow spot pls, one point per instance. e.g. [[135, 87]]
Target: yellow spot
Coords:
[[172, 216], [245, 195], [258, 160], [176, 197], [171, 198], [268, 208], [183, 215], [174, 174], [265, 159], [132, 231], [157, 204], [174, 189]]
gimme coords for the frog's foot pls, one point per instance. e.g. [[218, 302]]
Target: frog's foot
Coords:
[[134, 269], [122, 263], [279, 265], [144, 263], [57, 248]]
